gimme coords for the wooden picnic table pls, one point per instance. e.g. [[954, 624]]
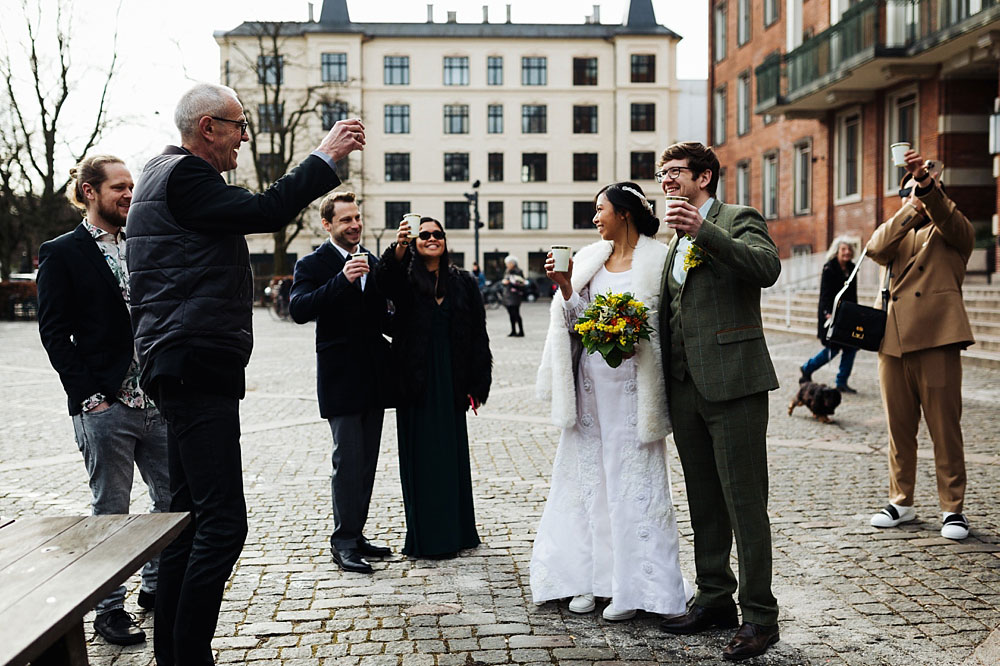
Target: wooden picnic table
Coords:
[[54, 570]]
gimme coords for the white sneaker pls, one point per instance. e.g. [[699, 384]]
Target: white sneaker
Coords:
[[892, 515], [582, 603], [956, 526], [612, 614]]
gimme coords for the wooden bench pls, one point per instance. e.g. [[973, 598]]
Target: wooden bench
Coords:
[[53, 571]]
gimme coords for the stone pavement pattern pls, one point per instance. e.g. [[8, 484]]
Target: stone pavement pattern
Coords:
[[849, 594]]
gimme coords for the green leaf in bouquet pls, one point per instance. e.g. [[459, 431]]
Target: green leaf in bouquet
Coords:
[[613, 358]]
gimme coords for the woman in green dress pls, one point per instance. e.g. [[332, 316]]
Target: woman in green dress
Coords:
[[442, 354]]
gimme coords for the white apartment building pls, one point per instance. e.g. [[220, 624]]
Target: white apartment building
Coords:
[[532, 118]]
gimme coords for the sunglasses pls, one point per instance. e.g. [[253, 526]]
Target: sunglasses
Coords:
[[437, 234]]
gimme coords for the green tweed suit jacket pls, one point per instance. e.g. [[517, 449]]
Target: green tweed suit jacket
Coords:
[[727, 356]]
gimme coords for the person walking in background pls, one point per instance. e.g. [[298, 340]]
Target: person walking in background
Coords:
[[192, 310], [608, 528], [479, 275], [513, 289], [335, 288], [836, 270], [925, 247], [83, 320], [441, 353]]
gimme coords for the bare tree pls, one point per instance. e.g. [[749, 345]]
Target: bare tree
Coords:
[[36, 154]]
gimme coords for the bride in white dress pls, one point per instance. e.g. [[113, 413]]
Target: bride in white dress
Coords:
[[608, 528]]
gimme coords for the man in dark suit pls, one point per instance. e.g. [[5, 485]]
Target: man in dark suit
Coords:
[[83, 319], [335, 287], [192, 308], [719, 371]]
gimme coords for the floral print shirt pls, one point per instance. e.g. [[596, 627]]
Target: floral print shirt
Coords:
[[113, 249]]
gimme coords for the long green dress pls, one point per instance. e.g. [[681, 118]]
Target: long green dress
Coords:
[[434, 458]]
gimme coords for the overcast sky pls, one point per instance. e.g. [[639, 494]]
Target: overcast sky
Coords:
[[164, 46]]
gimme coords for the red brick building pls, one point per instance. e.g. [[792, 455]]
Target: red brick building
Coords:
[[806, 97]]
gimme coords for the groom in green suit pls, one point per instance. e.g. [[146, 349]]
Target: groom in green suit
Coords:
[[719, 372]]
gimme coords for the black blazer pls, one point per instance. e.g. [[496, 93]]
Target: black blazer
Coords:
[[82, 318], [353, 369]]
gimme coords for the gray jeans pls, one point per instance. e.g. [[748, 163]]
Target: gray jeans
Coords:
[[114, 442]]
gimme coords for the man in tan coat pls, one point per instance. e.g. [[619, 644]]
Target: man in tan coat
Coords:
[[925, 247]]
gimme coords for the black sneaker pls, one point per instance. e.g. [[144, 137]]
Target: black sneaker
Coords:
[[119, 627], [146, 600], [844, 388], [806, 376]]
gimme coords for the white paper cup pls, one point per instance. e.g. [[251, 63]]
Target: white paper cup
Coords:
[[898, 150], [360, 255], [413, 219], [674, 200], [560, 254]]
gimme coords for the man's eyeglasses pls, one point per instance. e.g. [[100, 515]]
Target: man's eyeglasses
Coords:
[[437, 234], [672, 173], [242, 123]]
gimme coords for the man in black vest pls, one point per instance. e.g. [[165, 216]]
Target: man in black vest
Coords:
[[192, 296], [83, 319], [335, 287]]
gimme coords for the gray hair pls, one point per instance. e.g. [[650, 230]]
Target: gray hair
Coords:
[[837, 242], [510, 259], [202, 99]]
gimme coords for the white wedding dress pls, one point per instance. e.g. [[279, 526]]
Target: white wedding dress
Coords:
[[608, 527]]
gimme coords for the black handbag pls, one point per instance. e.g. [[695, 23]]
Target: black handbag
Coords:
[[854, 325]]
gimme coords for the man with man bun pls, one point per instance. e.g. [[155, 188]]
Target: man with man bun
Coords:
[[192, 300]]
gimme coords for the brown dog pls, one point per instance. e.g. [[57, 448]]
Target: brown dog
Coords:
[[819, 398]]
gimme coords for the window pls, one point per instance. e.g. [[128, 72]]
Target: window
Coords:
[[533, 119], [456, 118], [719, 116], [803, 178], [584, 120], [848, 146], [495, 167], [584, 71], [770, 12], [584, 166], [333, 112], [720, 189], [494, 119], [743, 183], [397, 167], [456, 214], [271, 166], [270, 117], [644, 68], [743, 103], [719, 21], [533, 71], [534, 215], [456, 71], [456, 259], [397, 118], [534, 167], [583, 214], [494, 215], [901, 125], [333, 67], [643, 117], [643, 165], [456, 167], [742, 22], [394, 212], [770, 185], [494, 71], [270, 70], [397, 70]]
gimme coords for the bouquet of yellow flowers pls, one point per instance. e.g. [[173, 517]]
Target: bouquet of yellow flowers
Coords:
[[613, 324]]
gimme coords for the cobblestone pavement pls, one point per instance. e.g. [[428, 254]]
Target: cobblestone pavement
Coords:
[[849, 594]]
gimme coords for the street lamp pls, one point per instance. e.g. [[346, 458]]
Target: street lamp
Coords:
[[474, 200]]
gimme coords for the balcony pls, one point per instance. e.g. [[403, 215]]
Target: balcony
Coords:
[[876, 43]]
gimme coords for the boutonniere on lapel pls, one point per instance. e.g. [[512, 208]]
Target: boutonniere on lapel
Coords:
[[695, 256]]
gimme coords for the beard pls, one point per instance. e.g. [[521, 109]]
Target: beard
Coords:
[[111, 213]]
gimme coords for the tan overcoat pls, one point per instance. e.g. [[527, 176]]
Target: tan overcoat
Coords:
[[928, 267]]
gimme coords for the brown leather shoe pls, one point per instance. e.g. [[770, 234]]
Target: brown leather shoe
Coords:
[[699, 618], [750, 641]]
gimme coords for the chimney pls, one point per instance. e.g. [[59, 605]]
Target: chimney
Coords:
[[452, 17], [508, 12], [430, 13], [597, 13], [486, 13], [311, 19]]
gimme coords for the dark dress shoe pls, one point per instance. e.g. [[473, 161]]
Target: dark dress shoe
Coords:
[[750, 641], [119, 627], [368, 549], [351, 560], [146, 600], [699, 618]]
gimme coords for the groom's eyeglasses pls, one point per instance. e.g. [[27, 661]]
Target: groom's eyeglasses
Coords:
[[437, 234], [672, 173]]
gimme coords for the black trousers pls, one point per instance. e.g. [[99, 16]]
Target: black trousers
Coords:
[[356, 439], [206, 479], [516, 325]]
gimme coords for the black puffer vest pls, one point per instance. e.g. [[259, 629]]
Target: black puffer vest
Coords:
[[188, 288]]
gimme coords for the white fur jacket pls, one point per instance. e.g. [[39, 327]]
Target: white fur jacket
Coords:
[[556, 373]]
